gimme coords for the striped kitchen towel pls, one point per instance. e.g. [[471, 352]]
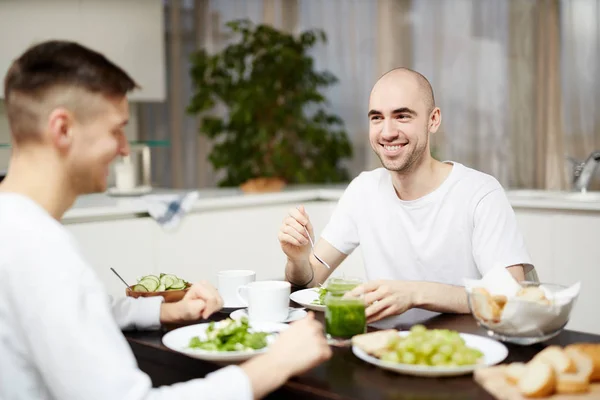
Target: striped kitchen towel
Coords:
[[169, 209]]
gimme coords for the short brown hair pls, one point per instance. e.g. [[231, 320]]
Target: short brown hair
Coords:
[[56, 65]]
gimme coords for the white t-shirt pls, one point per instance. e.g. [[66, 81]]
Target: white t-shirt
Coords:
[[60, 332], [462, 229]]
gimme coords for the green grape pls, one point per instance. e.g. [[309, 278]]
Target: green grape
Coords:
[[426, 348], [391, 356], [409, 344], [421, 360], [446, 349], [418, 329], [408, 358], [459, 358], [438, 359], [402, 345]]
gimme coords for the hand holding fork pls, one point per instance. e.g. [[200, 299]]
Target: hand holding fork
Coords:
[[293, 238]]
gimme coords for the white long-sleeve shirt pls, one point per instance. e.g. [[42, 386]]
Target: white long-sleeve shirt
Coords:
[[60, 332]]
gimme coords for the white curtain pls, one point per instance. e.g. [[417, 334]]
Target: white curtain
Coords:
[[461, 47], [580, 62], [351, 55]]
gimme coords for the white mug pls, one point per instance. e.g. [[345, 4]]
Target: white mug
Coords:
[[266, 300], [125, 175], [228, 283]]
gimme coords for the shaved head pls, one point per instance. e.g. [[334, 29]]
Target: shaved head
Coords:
[[406, 74]]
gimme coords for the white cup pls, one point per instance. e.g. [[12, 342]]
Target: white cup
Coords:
[[125, 175], [228, 283], [266, 300]]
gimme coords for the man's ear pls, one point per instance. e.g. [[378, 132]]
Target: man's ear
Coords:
[[60, 128], [435, 119]]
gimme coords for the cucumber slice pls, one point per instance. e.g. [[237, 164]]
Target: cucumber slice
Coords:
[[139, 288], [161, 288], [152, 277], [149, 283], [180, 284], [168, 281]]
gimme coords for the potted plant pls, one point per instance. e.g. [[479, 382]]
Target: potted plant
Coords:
[[274, 128]]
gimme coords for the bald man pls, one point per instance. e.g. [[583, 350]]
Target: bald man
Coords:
[[423, 225]]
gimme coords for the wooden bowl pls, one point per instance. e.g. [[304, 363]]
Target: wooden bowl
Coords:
[[170, 296]]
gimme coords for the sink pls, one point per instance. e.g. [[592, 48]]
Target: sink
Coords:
[[525, 194]]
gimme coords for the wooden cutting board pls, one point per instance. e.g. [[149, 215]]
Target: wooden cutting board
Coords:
[[492, 379]]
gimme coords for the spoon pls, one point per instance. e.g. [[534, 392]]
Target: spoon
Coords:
[[122, 280], [312, 245]]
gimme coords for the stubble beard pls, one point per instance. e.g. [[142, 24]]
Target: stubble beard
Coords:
[[405, 164]]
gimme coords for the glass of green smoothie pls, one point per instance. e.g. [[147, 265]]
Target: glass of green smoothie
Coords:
[[344, 314]]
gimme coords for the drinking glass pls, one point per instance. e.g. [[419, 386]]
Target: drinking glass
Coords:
[[344, 317]]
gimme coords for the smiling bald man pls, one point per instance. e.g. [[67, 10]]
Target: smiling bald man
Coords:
[[423, 225]]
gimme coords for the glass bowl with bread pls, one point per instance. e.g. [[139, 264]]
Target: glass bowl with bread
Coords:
[[535, 312]]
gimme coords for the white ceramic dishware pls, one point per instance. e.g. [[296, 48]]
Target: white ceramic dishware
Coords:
[[229, 281], [179, 340], [493, 351], [306, 298], [294, 314], [266, 300]]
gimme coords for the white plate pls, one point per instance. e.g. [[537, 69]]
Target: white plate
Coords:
[[136, 191], [294, 314], [179, 339], [305, 297], [235, 305], [493, 351]]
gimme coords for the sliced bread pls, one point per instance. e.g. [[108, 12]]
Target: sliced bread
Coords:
[[556, 357], [374, 342], [538, 380], [575, 382], [514, 372], [592, 350]]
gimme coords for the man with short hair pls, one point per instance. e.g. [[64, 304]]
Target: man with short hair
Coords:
[[60, 334], [423, 225]]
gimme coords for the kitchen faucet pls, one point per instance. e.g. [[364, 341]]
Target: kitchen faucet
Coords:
[[583, 171]]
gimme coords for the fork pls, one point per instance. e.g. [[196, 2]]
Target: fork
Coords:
[[312, 245]]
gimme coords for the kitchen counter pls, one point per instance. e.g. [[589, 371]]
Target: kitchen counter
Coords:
[[103, 206]]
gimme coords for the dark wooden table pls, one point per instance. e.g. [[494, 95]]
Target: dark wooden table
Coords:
[[344, 376]]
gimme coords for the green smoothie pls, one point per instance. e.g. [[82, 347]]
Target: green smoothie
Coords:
[[344, 318]]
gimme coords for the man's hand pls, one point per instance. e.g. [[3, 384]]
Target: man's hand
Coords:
[[301, 347], [200, 301], [296, 350], [385, 298], [292, 236]]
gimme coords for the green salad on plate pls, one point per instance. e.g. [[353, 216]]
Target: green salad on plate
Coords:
[[230, 335]]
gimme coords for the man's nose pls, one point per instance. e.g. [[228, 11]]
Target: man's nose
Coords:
[[124, 146], [389, 130]]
